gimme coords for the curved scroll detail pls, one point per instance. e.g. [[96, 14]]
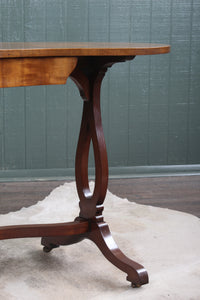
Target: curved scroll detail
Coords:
[[101, 236]]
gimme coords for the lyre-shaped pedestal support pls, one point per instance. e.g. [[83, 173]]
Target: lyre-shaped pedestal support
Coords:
[[88, 76]]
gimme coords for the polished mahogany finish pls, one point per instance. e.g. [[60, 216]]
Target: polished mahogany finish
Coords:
[[38, 230], [86, 64]]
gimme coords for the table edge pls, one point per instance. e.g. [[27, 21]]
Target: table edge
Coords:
[[148, 49]]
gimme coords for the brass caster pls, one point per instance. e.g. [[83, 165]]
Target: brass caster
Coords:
[[134, 285], [47, 249]]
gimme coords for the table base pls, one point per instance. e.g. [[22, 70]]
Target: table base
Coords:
[[87, 75], [96, 230]]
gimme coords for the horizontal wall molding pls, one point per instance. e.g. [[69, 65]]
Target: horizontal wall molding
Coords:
[[155, 171], [114, 172]]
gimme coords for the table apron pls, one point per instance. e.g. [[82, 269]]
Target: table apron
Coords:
[[30, 71]]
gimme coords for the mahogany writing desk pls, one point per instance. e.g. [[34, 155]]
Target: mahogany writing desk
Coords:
[[27, 64]]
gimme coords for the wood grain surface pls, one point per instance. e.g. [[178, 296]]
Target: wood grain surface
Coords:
[[26, 49], [35, 71]]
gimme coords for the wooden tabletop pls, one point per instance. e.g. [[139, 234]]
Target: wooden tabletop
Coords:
[[41, 49]]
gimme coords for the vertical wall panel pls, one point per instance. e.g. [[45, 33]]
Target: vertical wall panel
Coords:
[[139, 85], [35, 128], [98, 20], [158, 85], [36, 148], [14, 128], [179, 77], [194, 91], [56, 112], [55, 20], [14, 101], [119, 86], [34, 21]]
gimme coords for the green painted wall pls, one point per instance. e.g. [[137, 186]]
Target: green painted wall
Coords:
[[150, 106]]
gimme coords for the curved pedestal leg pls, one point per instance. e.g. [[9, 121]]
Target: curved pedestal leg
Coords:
[[101, 236]]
